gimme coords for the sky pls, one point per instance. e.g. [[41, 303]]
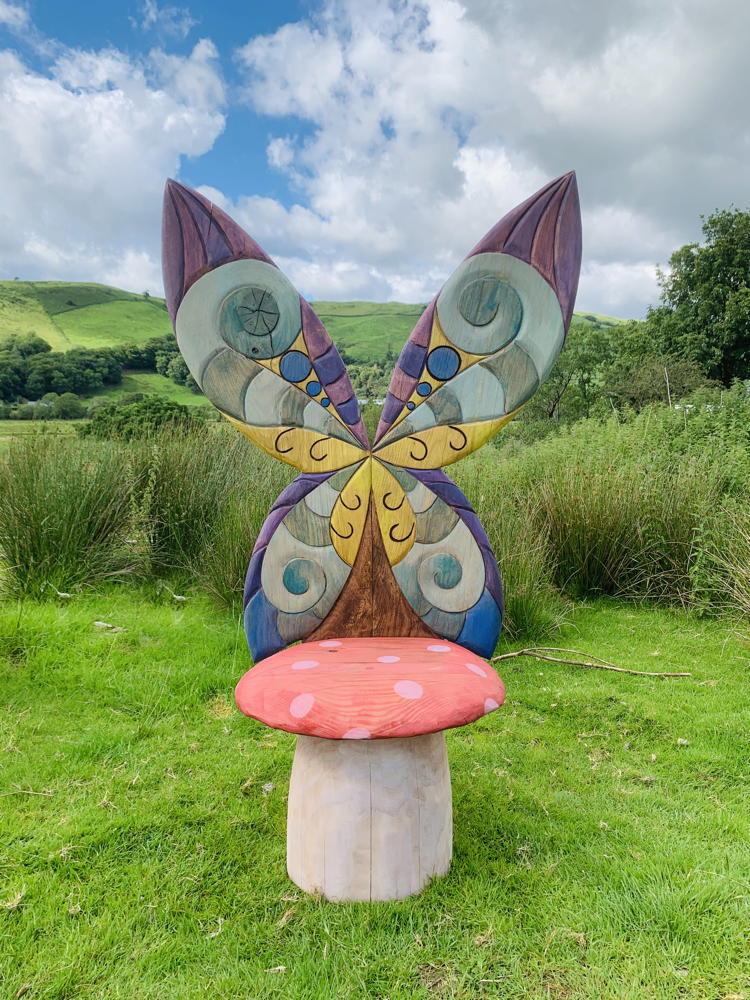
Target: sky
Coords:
[[368, 144]]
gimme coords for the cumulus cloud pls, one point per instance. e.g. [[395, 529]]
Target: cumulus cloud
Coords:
[[86, 147], [427, 120]]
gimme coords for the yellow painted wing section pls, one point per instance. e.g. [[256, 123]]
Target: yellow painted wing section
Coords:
[[349, 513], [398, 525], [435, 447], [306, 450]]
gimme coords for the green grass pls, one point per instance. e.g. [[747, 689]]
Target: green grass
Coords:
[[595, 855], [113, 323], [21, 312], [150, 382]]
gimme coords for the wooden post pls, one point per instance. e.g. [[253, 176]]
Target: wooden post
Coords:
[[369, 819]]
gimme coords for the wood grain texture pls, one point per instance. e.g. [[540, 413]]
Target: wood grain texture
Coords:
[[544, 232], [369, 820], [371, 602], [306, 450]]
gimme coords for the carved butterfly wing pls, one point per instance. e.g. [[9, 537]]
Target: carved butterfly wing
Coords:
[[440, 555], [489, 338], [264, 359], [252, 343], [478, 353], [303, 558]]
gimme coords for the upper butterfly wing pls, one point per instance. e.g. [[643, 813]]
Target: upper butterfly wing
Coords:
[[252, 343], [490, 337], [440, 555]]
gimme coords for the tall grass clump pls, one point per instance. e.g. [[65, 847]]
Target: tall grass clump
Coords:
[[534, 607], [200, 501], [65, 507]]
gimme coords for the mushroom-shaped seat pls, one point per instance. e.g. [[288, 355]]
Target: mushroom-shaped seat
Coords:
[[370, 688]]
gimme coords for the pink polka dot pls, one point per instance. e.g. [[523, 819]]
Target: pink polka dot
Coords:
[[305, 664], [490, 705], [388, 659], [439, 649], [358, 733], [408, 689], [330, 644], [476, 669], [301, 705]]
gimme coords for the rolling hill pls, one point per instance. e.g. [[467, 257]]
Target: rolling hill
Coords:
[[77, 314]]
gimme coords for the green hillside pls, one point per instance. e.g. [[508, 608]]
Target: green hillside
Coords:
[[75, 314]]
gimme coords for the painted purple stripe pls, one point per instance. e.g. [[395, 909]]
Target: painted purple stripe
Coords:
[[340, 390], [412, 359], [520, 241], [568, 250], [349, 411], [317, 340], [329, 366], [252, 578], [391, 409], [494, 240]]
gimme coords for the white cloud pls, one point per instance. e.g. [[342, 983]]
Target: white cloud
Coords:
[[13, 16], [428, 120], [86, 149], [176, 22]]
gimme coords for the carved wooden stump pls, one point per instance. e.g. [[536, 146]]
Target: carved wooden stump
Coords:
[[369, 819]]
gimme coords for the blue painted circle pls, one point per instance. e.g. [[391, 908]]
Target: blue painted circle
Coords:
[[443, 363], [424, 388], [325, 401], [296, 576], [448, 571], [410, 405], [295, 366], [313, 388]]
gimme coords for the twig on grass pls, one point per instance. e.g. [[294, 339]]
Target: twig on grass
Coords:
[[25, 791], [595, 662]]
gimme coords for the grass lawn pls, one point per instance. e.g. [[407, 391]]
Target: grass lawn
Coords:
[[601, 823], [151, 382], [108, 324], [12, 430]]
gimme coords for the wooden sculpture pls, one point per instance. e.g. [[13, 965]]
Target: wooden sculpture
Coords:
[[372, 594]]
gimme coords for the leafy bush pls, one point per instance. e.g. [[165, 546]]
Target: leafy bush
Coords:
[[142, 419]]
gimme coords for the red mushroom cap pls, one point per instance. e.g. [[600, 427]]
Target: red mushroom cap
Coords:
[[370, 688]]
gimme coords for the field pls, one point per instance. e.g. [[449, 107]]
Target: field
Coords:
[[76, 314], [601, 823], [150, 382]]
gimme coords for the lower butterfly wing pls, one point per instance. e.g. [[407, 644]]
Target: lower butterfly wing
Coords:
[[303, 557], [440, 555]]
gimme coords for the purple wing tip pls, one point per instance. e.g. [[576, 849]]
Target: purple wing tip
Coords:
[[545, 231], [196, 237]]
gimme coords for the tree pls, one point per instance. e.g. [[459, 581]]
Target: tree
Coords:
[[704, 314], [68, 407]]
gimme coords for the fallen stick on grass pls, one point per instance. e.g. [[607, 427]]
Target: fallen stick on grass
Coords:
[[540, 652], [24, 791]]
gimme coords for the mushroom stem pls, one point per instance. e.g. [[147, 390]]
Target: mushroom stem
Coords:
[[369, 819]]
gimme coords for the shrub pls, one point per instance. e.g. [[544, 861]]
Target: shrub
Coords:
[[142, 419]]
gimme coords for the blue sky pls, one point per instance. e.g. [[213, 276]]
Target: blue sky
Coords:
[[367, 144]]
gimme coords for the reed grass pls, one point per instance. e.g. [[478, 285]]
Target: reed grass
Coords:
[[65, 510]]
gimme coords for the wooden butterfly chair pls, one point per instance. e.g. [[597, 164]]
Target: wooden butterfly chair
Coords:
[[372, 595]]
